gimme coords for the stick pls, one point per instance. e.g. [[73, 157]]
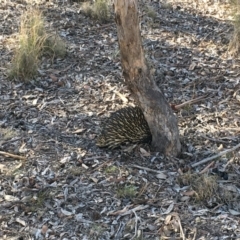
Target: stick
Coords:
[[138, 208], [12, 155], [102, 165], [136, 222], [192, 101], [181, 229], [125, 210], [120, 212], [147, 169], [207, 167], [215, 156]]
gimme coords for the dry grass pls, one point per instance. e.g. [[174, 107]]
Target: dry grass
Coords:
[[151, 13], [87, 9], [31, 38], [33, 41], [206, 187], [7, 133], [54, 46], [99, 10]]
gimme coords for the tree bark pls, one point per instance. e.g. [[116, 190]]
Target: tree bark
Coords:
[[159, 115]]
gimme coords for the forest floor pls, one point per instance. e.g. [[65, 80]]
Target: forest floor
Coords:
[[68, 188]]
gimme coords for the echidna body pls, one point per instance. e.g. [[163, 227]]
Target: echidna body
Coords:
[[125, 125]]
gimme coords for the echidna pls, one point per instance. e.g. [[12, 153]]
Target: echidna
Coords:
[[125, 125]]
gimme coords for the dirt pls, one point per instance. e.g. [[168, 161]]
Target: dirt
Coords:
[[67, 187]]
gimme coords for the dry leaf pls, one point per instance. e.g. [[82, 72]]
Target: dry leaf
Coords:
[[144, 152]]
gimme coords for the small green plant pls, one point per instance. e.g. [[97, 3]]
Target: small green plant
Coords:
[[95, 231], [151, 12], [127, 191], [166, 5], [54, 46], [188, 108], [111, 170], [38, 201], [98, 10], [75, 171], [7, 133]]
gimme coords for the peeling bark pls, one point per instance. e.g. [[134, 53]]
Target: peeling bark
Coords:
[[158, 113]]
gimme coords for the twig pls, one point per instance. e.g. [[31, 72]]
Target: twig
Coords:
[[147, 169], [229, 162], [181, 229], [120, 230], [12, 155], [102, 165], [94, 158], [136, 222], [177, 218], [138, 208], [125, 210], [12, 140], [195, 233], [206, 168], [213, 139], [218, 206], [232, 129], [119, 212], [195, 100], [216, 156], [143, 189]]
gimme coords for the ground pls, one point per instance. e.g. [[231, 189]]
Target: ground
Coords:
[[68, 188]]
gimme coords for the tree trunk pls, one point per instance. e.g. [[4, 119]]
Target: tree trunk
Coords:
[[158, 113]]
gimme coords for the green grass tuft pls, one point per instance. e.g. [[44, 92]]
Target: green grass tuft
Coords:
[[54, 46], [33, 41], [127, 191], [99, 10], [31, 38], [151, 13]]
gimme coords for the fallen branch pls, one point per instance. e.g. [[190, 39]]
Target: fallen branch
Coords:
[[215, 156], [138, 208], [207, 167], [12, 155], [147, 169], [125, 210], [192, 101]]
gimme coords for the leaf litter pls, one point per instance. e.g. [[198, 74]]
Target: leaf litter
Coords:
[[63, 186]]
